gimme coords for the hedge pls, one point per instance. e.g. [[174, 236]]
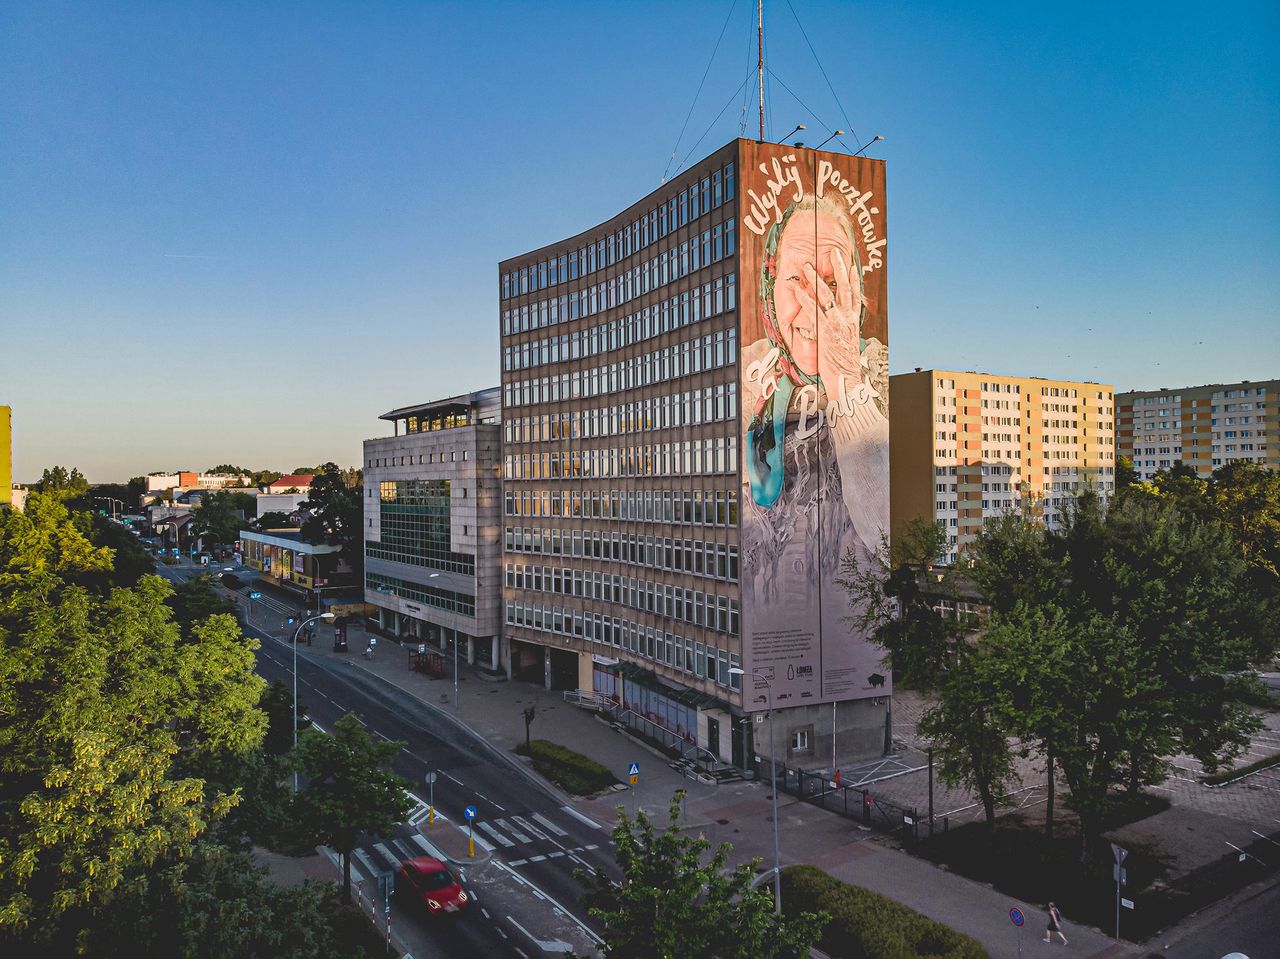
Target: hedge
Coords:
[[867, 925], [1229, 775], [572, 771]]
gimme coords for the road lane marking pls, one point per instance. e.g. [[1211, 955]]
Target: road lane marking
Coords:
[[520, 837], [543, 820], [529, 827], [553, 855], [537, 858], [491, 802], [507, 843], [546, 945], [518, 862], [541, 895], [581, 818]]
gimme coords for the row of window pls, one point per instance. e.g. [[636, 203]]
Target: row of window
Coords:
[[716, 244], [701, 197], [700, 507], [691, 606], [690, 556], [712, 298], [694, 658], [447, 456], [415, 526], [463, 604], [714, 455], [710, 404], [708, 352]]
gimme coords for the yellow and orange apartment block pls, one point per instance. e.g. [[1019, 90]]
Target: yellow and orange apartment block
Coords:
[[966, 447], [1202, 427]]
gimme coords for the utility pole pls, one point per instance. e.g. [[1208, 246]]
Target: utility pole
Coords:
[[760, 61]]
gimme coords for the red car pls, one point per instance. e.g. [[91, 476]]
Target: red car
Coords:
[[429, 882]]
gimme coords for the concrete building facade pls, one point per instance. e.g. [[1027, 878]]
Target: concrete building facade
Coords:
[[690, 445], [971, 446], [1203, 427], [432, 514]]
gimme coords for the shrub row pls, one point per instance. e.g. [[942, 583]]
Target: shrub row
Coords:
[[867, 925], [572, 771], [1217, 779]]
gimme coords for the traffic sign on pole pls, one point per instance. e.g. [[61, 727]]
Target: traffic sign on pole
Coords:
[[633, 774], [1120, 853], [470, 813], [1017, 918]]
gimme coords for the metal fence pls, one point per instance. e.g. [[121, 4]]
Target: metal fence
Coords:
[[854, 802]]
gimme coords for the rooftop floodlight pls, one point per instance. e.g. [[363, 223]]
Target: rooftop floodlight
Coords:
[[799, 127], [868, 143], [838, 133]]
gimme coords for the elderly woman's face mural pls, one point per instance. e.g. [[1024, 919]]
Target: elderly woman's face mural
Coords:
[[816, 295]]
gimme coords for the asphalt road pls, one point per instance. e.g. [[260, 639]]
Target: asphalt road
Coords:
[[1249, 924], [525, 826]]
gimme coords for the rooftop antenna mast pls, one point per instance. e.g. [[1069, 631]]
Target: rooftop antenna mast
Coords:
[[760, 62]]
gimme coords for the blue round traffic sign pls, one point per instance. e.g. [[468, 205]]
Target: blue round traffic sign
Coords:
[[1016, 917], [469, 812]]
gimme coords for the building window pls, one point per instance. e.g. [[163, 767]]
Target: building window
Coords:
[[800, 741]]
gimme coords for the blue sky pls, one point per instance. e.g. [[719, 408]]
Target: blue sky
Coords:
[[239, 231]]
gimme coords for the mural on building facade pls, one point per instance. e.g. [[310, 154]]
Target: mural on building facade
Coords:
[[815, 395]]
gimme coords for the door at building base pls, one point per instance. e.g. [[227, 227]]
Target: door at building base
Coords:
[[713, 736]]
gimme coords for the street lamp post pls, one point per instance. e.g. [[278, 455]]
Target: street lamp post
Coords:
[[326, 617], [773, 773]]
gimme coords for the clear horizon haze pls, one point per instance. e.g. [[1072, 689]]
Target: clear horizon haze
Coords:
[[238, 232]]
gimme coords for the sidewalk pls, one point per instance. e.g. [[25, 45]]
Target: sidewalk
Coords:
[[736, 812]]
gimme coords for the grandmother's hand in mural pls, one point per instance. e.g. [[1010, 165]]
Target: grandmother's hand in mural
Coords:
[[839, 301]]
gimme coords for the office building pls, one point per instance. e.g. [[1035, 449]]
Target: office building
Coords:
[[694, 434], [1203, 427], [971, 446], [432, 520]]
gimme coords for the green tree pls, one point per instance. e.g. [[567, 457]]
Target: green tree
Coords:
[[217, 902], [894, 600], [675, 901], [969, 737], [102, 708], [1118, 665], [337, 514], [68, 484], [349, 790], [1246, 496], [222, 515], [273, 520], [195, 600]]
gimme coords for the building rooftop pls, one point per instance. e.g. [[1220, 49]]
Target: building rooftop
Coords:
[[292, 480], [462, 403]]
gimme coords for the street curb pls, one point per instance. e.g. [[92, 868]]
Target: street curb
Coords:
[[555, 791]]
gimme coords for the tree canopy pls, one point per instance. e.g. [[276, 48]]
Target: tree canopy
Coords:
[[675, 901], [349, 787], [101, 702]]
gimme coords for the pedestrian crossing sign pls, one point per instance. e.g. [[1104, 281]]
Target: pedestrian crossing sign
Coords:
[[633, 774]]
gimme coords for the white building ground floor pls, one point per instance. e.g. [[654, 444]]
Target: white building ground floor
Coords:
[[486, 651]]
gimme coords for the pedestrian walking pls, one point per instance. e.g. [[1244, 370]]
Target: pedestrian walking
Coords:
[[1055, 925]]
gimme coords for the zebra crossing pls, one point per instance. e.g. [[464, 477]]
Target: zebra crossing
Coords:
[[534, 836], [530, 837]]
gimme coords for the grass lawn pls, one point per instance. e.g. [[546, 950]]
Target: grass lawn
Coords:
[[571, 771]]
